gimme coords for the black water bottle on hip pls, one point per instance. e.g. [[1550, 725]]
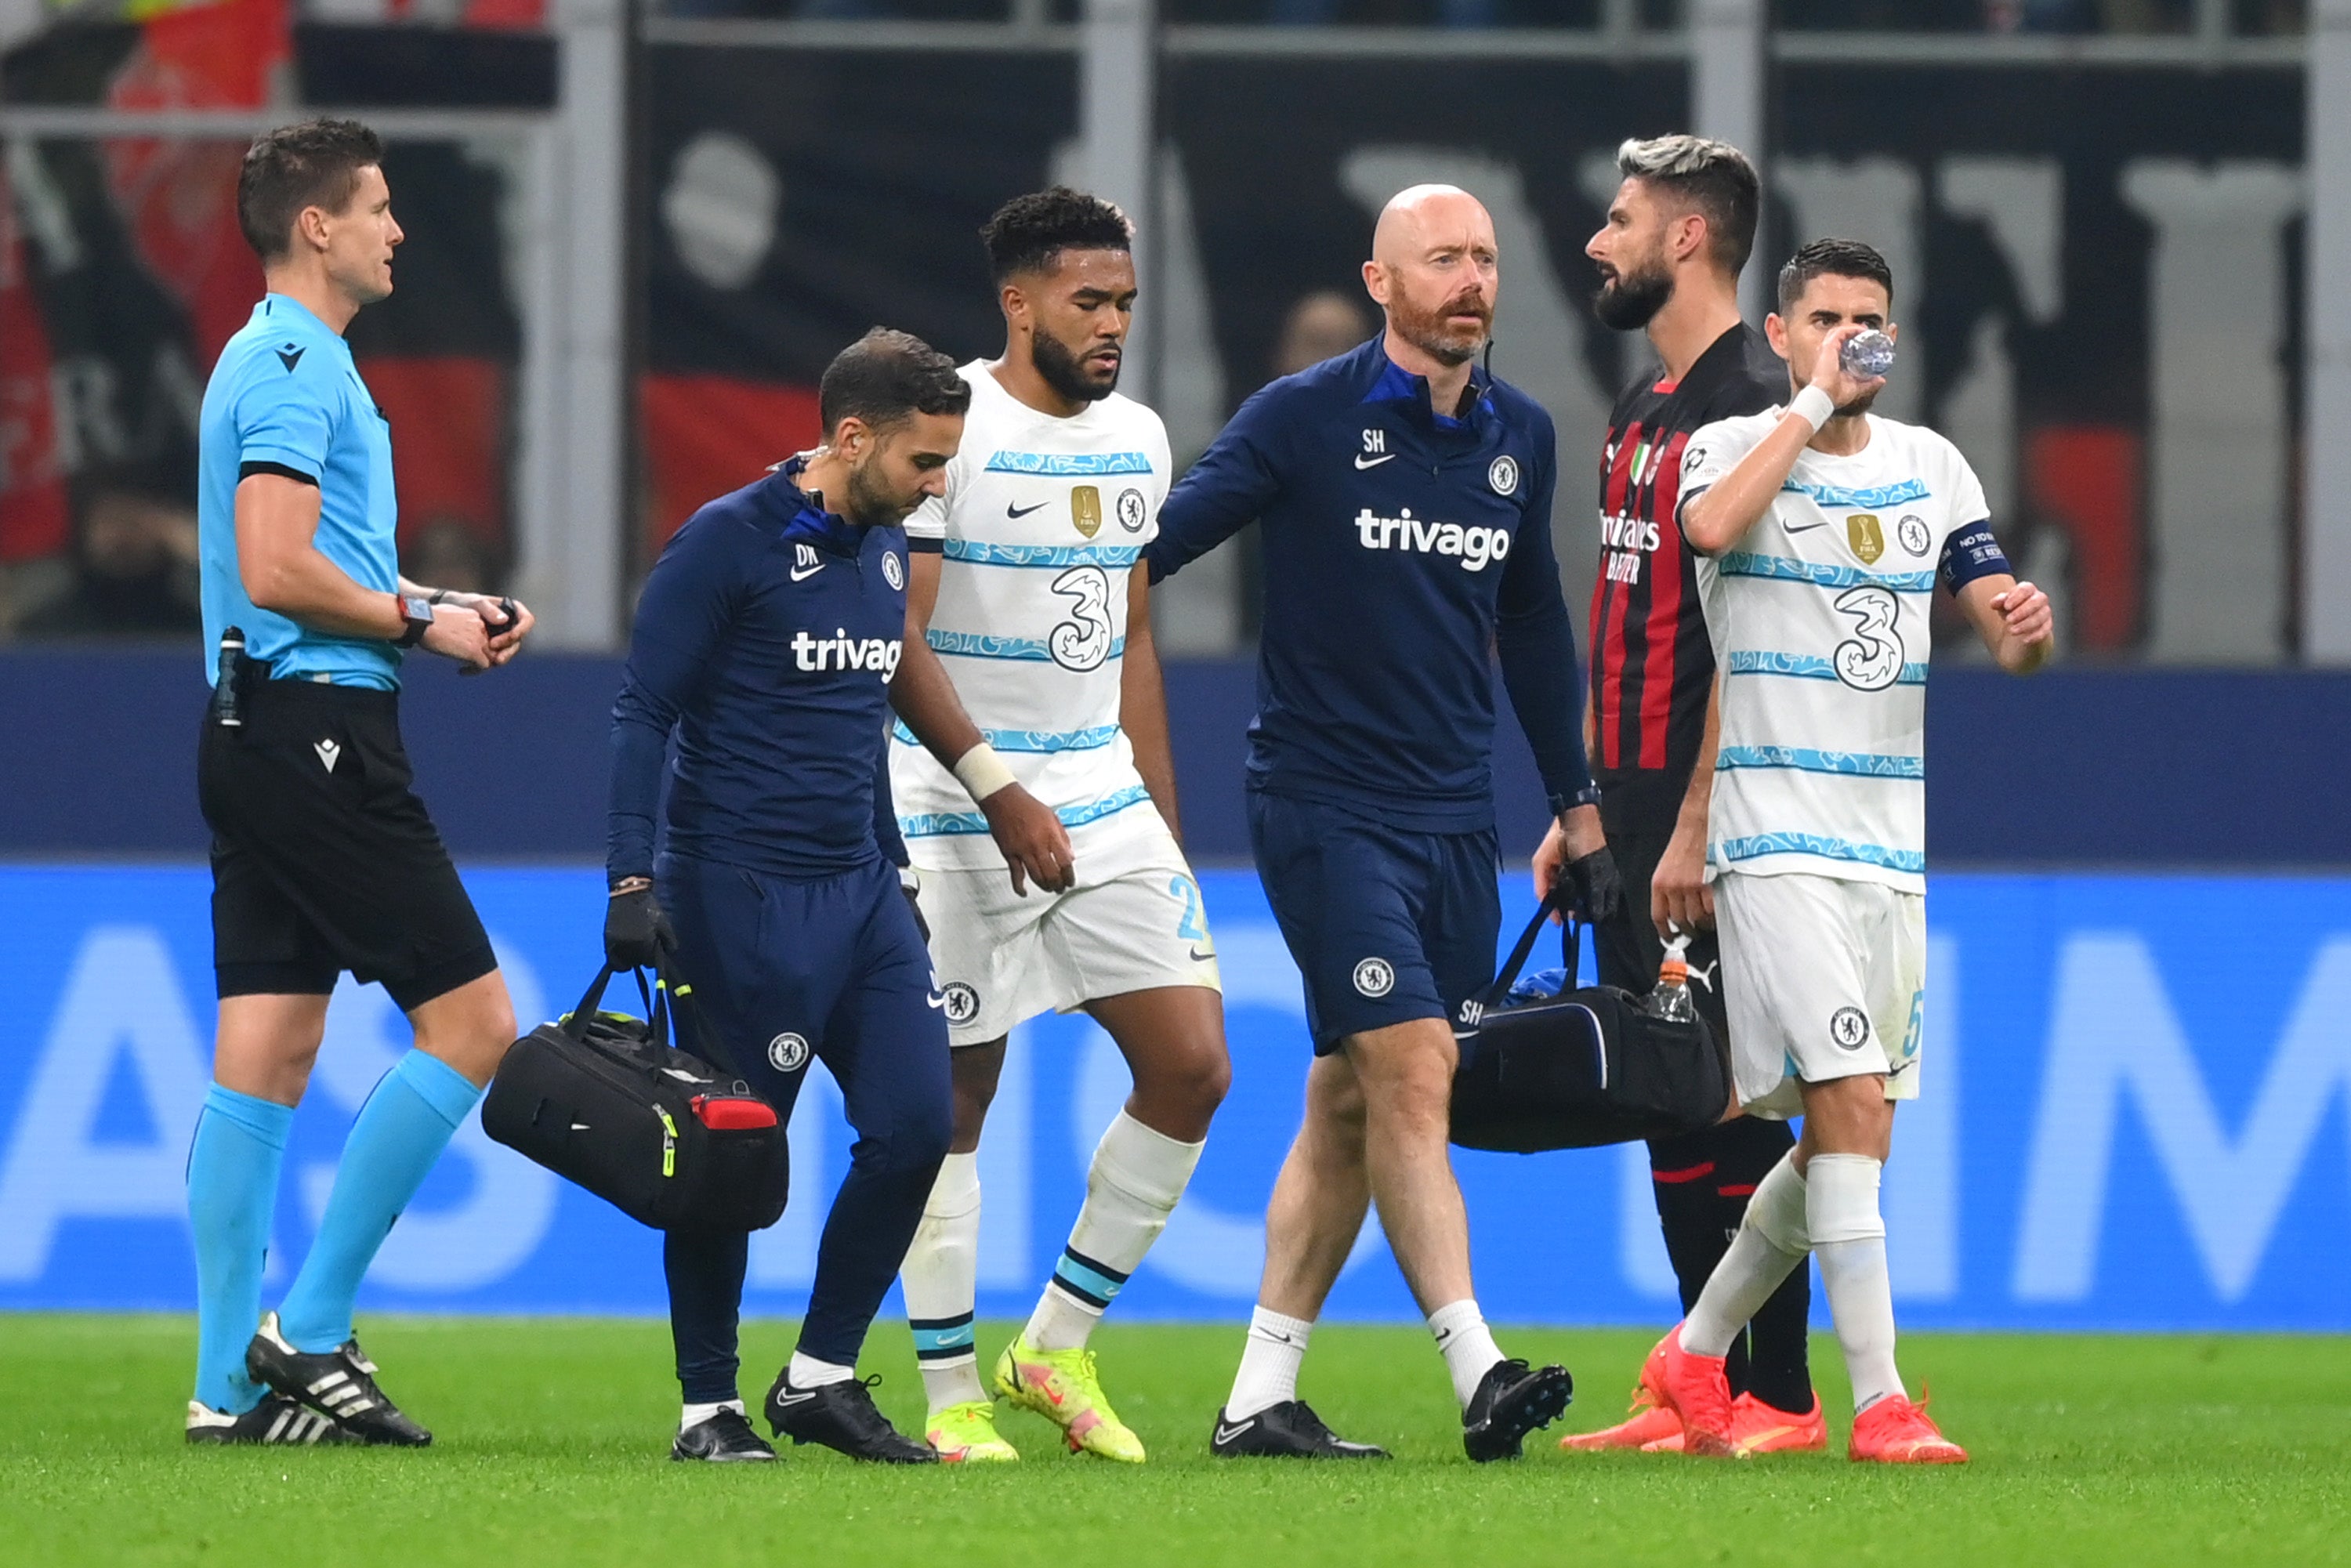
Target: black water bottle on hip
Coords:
[[226, 711]]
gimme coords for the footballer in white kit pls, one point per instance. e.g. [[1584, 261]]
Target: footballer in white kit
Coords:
[[1044, 521], [1026, 583], [1824, 530]]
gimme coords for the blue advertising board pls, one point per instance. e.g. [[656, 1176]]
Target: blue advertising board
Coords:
[[2134, 1116]]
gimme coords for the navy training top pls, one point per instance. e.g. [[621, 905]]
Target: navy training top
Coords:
[[1401, 547], [765, 638]]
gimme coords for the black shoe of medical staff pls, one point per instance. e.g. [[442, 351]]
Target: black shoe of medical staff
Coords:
[[726, 1439], [841, 1417], [276, 1421], [1511, 1401], [339, 1384], [1289, 1431]]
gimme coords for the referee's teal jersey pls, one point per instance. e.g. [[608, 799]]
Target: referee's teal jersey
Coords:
[[286, 399]]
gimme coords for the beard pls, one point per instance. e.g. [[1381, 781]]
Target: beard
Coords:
[[1066, 375], [868, 504], [1434, 335], [1630, 300], [1858, 405]]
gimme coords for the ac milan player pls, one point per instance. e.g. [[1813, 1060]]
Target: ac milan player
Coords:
[[1679, 230]]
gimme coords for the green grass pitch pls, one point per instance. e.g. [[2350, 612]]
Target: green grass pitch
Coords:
[[553, 1435]]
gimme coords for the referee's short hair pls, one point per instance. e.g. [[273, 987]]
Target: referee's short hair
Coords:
[[1030, 233], [1833, 259], [887, 377], [1713, 177], [314, 164]]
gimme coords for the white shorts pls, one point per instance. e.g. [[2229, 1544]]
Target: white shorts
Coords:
[[1822, 979], [1133, 923]]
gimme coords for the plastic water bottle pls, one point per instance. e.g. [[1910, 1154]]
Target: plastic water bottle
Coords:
[[1868, 354], [1670, 998]]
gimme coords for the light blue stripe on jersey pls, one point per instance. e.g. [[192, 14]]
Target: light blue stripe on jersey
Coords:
[[1808, 667], [1821, 573], [943, 824], [1876, 495], [1069, 465], [978, 552], [1804, 760], [1092, 739], [980, 645], [1762, 844]]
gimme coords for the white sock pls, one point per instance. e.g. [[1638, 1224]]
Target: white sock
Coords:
[[941, 1279], [1770, 1245], [1270, 1357], [695, 1415], [1468, 1346], [1849, 1237], [1132, 1186], [806, 1372]]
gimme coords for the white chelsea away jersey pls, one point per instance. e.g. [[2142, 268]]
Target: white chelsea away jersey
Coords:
[[1819, 618], [1041, 524]]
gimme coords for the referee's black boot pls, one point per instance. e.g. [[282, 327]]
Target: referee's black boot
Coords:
[[1289, 1431], [1512, 1400], [841, 1417], [339, 1384]]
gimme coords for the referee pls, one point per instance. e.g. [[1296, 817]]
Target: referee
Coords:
[[323, 858], [1404, 498], [1678, 232]]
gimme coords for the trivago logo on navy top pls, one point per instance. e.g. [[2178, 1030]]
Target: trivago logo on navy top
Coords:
[[844, 652], [1475, 546]]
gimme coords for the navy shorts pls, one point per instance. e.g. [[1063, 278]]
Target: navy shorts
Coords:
[[787, 971], [1386, 925]]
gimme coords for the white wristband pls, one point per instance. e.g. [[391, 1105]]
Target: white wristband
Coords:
[[1815, 405], [982, 773]]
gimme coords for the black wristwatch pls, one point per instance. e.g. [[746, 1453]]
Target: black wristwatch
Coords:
[[417, 611], [1560, 805]]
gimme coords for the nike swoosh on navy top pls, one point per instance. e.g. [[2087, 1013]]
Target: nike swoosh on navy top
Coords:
[[1363, 462], [1012, 511], [802, 573]]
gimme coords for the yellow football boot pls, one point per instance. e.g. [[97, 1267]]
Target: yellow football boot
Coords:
[[965, 1435], [1060, 1385]]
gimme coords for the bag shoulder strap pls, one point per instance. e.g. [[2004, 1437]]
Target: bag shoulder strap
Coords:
[[1571, 955]]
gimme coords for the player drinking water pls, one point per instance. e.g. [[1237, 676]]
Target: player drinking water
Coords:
[[1827, 528]]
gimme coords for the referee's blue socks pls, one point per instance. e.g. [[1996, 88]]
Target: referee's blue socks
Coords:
[[400, 1132], [233, 1166]]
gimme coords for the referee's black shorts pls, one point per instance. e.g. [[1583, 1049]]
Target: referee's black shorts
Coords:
[[323, 858]]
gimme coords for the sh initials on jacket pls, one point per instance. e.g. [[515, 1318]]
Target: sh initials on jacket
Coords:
[[1375, 450]]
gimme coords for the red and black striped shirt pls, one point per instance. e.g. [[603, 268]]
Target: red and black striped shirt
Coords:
[[1652, 665]]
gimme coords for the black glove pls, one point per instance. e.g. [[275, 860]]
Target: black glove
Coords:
[[915, 905], [637, 935], [1598, 887]]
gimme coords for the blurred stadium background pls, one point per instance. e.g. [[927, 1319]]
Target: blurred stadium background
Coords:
[[2122, 234]]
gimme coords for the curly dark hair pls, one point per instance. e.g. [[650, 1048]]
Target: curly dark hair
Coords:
[[888, 376], [1833, 259], [1028, 233], [314, 164]]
